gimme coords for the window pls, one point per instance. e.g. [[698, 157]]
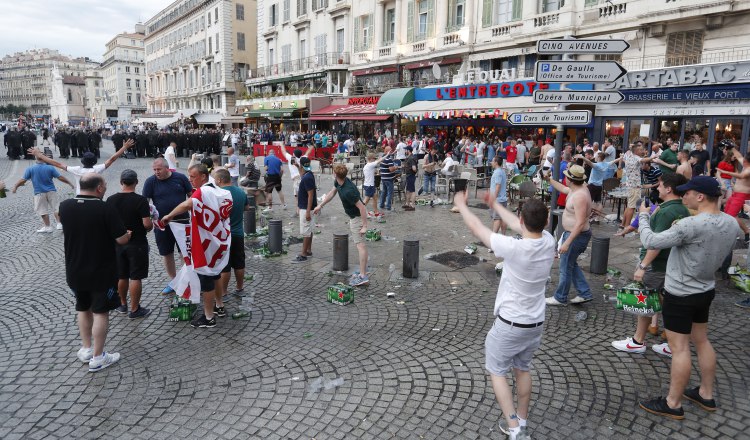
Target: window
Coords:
[[127, 69], [137, 70], [684, 48], [240, 41], [302, 49], [389, 33], [138, 84], [138, 98], [420, 19], [203, 75], [218, 101], [130, 98], [209, 19], [240, 11], [210, 45], [273, 15], [286, 11], [217, 42], [456, 12], [498, 12], [340, 42], [319, 4], [127, 83], [270, 56], [301, 7], [216, 15], [209, 74], [320, 50], [552, 5], [217, 72], [70, 96], [362, 33], [286, 58]]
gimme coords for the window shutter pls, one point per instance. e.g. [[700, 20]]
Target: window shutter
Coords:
[[371, 32], [410, 22], [357, 33], [430, 18], [517, 11], [451, 14], [486, 13]]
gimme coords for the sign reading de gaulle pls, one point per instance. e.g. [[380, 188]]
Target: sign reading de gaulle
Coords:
[[578, 71]]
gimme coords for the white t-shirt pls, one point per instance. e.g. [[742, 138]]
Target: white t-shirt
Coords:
[[235, 170], [447, 163], [292, 164], [369, 171], [549, 159], [79, 171], [526, 266], [521, 154], [480, 151], [401, 151], [611, 153], [169, 156]]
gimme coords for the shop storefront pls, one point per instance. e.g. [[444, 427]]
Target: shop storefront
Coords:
[[278, 116], [355, 116], [712, 101]]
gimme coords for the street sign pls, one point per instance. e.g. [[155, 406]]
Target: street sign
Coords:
[[573, 117], [572, 46], [577, 97], [578, 71]]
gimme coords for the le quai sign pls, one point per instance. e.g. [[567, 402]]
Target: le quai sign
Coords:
[[478, 76]]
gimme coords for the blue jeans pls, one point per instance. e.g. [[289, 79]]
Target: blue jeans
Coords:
[[570, 272], [429, 183], [386, 193]]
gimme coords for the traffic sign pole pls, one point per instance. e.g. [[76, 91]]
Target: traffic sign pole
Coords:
[[558, 155]]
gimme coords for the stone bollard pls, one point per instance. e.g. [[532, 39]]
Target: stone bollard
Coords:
[[243, 170], [599, 255], [274, 236], [411, 258], [249, 221], [341, 252], [251, 201]]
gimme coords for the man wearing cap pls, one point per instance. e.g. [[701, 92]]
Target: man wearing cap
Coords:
[[307, 200], [88, 161], [132, 258], [357, 213], [698, 245], [575, 239], [42, 178]]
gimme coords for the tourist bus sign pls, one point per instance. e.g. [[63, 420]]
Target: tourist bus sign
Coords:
[[586, 46], [578, 71], [573, 117], [577, 97]]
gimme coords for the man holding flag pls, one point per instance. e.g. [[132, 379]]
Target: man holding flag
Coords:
[[204, 243]]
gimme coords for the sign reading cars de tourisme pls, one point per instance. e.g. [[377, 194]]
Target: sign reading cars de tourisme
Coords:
[[573, 117]]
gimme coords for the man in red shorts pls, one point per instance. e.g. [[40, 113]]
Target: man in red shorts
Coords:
[[740, 191]]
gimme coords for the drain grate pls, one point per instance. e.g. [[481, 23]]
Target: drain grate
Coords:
[[455, 259]]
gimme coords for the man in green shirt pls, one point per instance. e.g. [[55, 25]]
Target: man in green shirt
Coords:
[[236, 261], [355, 209], [668, 160], [653, 266]]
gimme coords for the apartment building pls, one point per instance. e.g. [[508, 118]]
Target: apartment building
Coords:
[[26, 79], [197, 53], [123, 73]]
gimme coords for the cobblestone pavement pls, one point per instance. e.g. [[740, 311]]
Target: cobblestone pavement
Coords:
[[412, 366]]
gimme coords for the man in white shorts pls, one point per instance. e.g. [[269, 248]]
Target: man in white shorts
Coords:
[[519, 305], [306, 203], [45, 193], [292, 162]]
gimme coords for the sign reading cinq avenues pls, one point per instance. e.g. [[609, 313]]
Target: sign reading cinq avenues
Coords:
[[587, 46]]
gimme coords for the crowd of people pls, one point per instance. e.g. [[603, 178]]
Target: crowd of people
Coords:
[[685, 240]]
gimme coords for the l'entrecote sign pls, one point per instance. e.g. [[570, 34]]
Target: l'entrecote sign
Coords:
[[712, 74], [477, 76]]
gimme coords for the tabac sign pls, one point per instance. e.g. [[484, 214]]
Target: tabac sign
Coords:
[[711, 74]]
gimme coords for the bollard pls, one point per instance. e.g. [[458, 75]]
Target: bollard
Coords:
[[558, 224], [243, 169], [249, 221], [411, 258], [251, 201], [185, 153], [274, 236], [190, 153], [599, 255], [340, 251]]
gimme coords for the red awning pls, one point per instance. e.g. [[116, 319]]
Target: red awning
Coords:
[[454, 60], [365, 112]]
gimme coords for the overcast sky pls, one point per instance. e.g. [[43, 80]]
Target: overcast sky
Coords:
[[74, 27]]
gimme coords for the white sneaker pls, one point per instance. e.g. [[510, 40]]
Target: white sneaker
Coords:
[[662, 349], [44, 229], [103, 361], [579, 300], [59, 226], [85, 354], [627, 345], [268, 210], [551, 301], [284, 206]]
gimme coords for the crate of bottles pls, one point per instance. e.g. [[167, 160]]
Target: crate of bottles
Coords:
[[340, 294], [373, 235], [635, 298], [181, 309]]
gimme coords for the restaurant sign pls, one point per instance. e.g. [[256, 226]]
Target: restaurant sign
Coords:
[[494, 90]]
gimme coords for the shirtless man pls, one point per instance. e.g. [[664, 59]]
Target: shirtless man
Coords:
[[575, 239], [684, 167], [740, 191]]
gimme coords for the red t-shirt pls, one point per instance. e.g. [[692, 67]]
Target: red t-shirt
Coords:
[[562, 197], [510, 153], [725, 166]]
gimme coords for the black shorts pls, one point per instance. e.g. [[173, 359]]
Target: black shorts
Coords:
[[165, 241], [596, 193], [680, 312], [236, 254], [132, 261], [208, 282], [410, 179], [273, 181], [97, 301]]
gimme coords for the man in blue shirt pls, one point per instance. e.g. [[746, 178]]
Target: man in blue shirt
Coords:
[[499, 192], [45, 193], [273, 180], [307, 200], [387, 172], [599, 171]]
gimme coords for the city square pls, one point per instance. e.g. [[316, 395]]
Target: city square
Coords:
[[440, 219]]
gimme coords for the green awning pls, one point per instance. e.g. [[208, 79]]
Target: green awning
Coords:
[[271, 113], [394, 99]]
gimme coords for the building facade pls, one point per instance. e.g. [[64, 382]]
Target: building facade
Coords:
[[123, 73], [26, 78], [197, 52]]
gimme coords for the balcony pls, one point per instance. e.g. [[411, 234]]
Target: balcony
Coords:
[[419, 47], [610, 10], [506, 29], [709, 56], [302, 65], [546, 20], [453, 39], [385, 52]]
